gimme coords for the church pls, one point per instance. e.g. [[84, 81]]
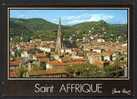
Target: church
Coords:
[[62, 45]]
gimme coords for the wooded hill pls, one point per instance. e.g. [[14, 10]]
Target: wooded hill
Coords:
[[45, 30]]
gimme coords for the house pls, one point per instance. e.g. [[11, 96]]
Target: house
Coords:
[[62, 51], [96, 59], [76, 57], [48, 50], [68, 51], [91, 38], [12, 73], [124, 45], [55, 63], [107, 55], [57, 58], [76, 61], [100, 40], [58, 71], [93, 58], [97, 50], [29, 67], [107, 58], [40, 55], [43, 59], [24, 54], [49, 66], [12, 53], [14, 64]]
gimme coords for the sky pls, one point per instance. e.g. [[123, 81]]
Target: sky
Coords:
[[71, 17]]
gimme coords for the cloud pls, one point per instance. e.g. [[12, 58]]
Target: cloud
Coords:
[[71, 17], [75, 22], [22, 16], [85, 15], [70, 20], [54, 20], [75, 19], [97, 17]]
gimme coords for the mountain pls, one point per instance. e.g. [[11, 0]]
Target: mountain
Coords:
[[33, 25], [101, 28], [43, 29]]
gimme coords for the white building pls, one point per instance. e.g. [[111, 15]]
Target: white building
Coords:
[[24, 54], [49, 66], [97, 50], [76, 57], [100, 40], [45, 49], [107, 58]]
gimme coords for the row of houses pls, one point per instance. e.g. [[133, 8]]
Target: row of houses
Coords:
[[43, 55]]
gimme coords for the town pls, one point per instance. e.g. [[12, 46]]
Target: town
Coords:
[[91, 56]]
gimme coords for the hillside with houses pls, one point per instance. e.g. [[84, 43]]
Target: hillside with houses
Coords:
[[35, 28]]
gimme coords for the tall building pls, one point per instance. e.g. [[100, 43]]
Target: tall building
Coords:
[[59, 41]]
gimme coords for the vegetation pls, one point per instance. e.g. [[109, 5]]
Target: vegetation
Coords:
[[90, 70], [84, 70], [111, 71], [22, 71], [40, 28]]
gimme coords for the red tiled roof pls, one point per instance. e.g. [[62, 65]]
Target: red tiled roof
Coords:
[[56, 62], [109, 51], [41, 55], [54, 70], [43, 59], [13, 74], [98, 62], [76, 62], [15, 63]]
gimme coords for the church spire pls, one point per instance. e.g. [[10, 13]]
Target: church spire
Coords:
[[59, 41], [60, 22]]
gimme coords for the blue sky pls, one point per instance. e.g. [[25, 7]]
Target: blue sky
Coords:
[[71, 17]]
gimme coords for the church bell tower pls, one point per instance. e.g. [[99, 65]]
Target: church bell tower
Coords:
[[59, 40]]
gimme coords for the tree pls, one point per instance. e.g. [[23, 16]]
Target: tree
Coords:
[[84, 70]]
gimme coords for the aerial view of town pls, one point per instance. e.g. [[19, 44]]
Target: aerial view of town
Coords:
[[68, 43]]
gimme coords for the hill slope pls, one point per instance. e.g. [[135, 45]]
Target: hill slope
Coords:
[[40, 28]]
